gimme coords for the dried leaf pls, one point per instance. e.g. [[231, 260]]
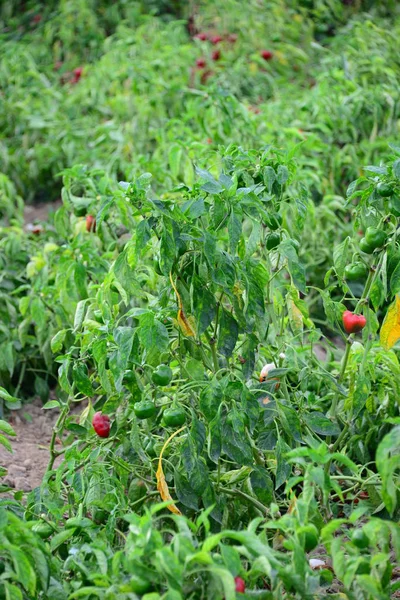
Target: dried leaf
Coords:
[[162, 485], [390, 330], [187, 324]]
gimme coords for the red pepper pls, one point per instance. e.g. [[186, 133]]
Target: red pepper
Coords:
[[353, 323], [101, 424]]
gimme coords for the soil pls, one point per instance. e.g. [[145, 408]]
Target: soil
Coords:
[[27, 464], [40, 212]]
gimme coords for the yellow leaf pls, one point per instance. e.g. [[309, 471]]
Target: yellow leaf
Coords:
[[292, 505], [280, 57], [390, 330], [162, 485], [187, 324], [295, 316]]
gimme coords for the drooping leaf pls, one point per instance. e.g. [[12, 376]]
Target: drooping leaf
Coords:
[[390, 330], [162, 485]]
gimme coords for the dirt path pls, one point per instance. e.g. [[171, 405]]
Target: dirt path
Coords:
[[28, 462], [40, 212]]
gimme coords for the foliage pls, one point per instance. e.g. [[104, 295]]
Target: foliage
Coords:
[[191, 287]]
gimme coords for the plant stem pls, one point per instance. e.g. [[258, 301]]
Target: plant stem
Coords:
[[263, 509], [344, 363], [56, 430]]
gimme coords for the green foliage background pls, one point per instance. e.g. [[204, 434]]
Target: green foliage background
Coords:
[[229, 198]]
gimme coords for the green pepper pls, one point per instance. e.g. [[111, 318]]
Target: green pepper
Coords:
[[273, 240], [375, 237], [355, 271], [174, 416], [309, 535], [139, 585], [44, 530], [360, 539], [384, 189], [274, 221], [149, 447], [365, 247], [162, 375], [144, 409]]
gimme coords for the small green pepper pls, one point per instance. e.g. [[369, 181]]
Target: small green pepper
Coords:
[[384, 189], [162, 375], [144, 409], [375, 237], [360, 539], [174, 416], [355, 271], [273, 240], [365, 247]]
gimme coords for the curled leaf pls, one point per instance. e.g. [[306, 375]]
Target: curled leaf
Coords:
[[187, 324], [162, 485]]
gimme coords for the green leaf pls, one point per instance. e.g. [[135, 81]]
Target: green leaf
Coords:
[[295, 268], [7, 397], [51, 404], [320, 424], [174, 159], [289, 420], [204, 306], [234, 231], [60, 538], [231, 558], [143, 235], [269, 177], [210, 400], [12, 591], [396, 168], [283, 468], [167, 251], [283, 174], [80, 280], [125, 275], [262, 486], [228, 333], [184, 491], [152, 333], [6, 428], [394, 286], [79, 315], [4, 442], [387, 462], [234, 440], [211, 186], [340, 256], [227, 581], [81, 379], [57, 341], [23, 569]]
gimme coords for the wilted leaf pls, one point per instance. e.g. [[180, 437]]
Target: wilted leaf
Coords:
[[390, 330], [162, 485]]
